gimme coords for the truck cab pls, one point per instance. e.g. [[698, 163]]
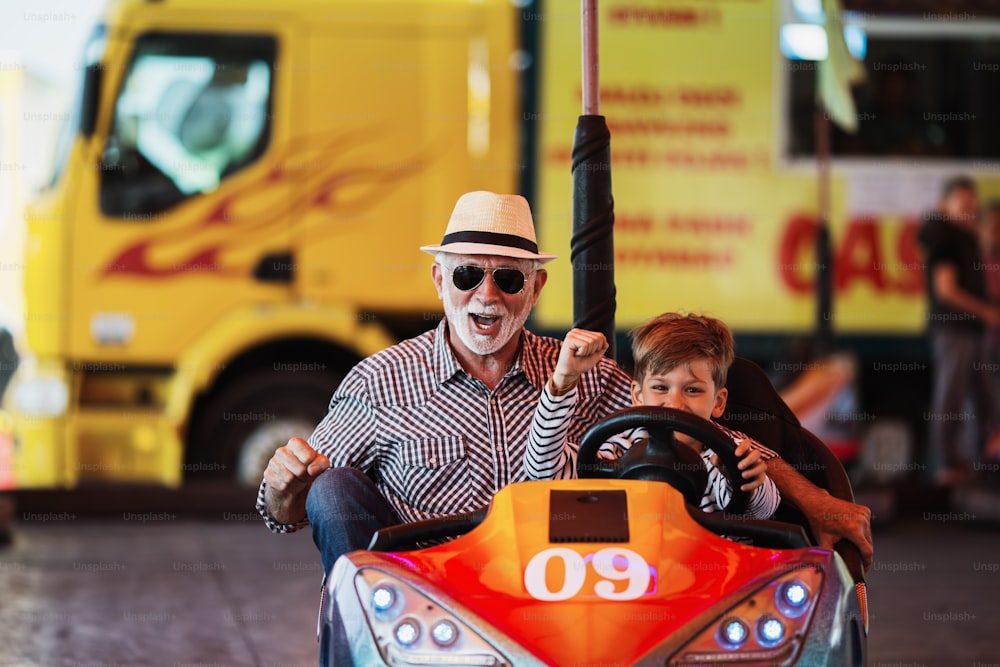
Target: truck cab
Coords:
[[235, 215]]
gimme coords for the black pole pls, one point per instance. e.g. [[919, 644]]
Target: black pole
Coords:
[[592, 251], [823, 343], [592, 245]]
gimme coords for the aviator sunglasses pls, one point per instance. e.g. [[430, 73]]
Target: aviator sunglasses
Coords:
[[509, 281]]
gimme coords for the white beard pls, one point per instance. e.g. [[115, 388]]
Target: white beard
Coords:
[[461, 324]]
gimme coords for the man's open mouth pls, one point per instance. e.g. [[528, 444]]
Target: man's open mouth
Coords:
[[484, 321]]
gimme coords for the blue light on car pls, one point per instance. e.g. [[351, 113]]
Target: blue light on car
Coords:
[[407, 632], [383, 597], [734, 632], [409, 628], [444, 633], [770, 630], [795, 594], [765, 626], [793, 598]]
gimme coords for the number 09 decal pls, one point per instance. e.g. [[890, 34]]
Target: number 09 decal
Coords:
[[611, 564]]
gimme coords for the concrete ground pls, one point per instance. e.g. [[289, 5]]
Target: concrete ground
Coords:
[[151, 588], [83, 586]]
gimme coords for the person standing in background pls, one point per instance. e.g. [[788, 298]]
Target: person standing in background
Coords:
[[958, 314], [989, 238]]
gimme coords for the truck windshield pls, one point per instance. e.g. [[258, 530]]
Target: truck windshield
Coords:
[[192, 110], [92, 54]]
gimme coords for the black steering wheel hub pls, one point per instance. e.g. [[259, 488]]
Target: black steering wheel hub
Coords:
[[661, 457]]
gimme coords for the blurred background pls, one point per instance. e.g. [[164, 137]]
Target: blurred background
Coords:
[[41, 68], [209, 211]]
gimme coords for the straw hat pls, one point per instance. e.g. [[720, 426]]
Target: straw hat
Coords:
[[484, 223]]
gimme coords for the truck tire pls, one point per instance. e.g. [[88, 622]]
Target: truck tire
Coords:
[[235, 434], [7, 509]]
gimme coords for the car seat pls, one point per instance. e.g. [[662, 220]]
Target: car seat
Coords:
[[755, 408]]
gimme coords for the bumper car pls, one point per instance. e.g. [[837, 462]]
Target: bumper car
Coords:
[[618, 567]]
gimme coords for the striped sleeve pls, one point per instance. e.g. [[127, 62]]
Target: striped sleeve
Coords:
[[615, 447], [764, 500], [549, 454]]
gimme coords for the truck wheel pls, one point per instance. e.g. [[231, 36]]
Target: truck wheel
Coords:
[[236, 433], [7, 508]]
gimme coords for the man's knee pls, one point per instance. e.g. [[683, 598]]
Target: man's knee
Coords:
[[338, 488]]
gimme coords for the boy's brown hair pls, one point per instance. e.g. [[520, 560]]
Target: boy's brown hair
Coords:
[[671, 339]]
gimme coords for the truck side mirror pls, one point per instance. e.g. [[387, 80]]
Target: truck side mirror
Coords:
[[90, 99]]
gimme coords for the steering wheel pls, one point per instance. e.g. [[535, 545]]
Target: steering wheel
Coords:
[[662, 458]]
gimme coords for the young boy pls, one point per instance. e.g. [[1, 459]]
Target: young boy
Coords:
[[681, 362]]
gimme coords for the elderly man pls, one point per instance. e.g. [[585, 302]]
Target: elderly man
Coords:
[[439, 423]]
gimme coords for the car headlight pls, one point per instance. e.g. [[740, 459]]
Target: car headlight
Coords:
[[412, 629], [767, 627], [40, 396]]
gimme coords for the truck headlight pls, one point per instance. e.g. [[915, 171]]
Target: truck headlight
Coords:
[[412, 629], [768, 626], [40, 396]]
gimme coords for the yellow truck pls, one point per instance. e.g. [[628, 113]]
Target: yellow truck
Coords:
[[237, 202], [239, 199]]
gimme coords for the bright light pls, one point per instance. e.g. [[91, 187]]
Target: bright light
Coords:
[[41, 396], [383, 597], [407, 633], [734, 632], [857, 41], [444, 633], [793, 598], [795, 594], [802, 41], [810, 11], [771, 630], [805, 41]]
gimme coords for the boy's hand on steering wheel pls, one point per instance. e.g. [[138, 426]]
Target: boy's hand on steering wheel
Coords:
[[753, 468]]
